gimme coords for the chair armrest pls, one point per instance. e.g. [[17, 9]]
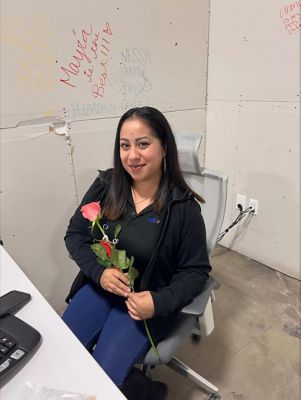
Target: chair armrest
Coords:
[[198, 305]]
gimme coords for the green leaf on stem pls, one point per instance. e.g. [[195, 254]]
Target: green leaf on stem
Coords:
[[131, 262], [99, 250], [132, 275], [105, 262], [114, 256], [132, 272], [121, 259], [117, 230]]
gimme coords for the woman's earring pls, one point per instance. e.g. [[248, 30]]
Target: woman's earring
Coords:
[[164, 164]]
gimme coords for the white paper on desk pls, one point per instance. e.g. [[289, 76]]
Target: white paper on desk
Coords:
[[37, 392]]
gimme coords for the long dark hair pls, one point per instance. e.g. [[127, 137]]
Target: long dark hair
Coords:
[[171, 173]]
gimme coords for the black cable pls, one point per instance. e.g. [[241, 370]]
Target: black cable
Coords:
[[242, 214]]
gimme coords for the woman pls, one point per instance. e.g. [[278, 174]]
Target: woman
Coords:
[[162, 227]]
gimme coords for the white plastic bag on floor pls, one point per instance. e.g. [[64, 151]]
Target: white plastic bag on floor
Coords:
[[37, 392]]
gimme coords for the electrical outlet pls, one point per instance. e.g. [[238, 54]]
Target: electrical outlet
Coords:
[[240, 199], [254, 204]]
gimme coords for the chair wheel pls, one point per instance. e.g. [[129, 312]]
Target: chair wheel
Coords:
[[214, 396], [195, 337]]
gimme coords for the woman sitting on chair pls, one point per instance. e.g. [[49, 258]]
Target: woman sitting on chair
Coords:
[[161, 227]]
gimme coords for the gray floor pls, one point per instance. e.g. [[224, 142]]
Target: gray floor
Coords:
[[254, 350]]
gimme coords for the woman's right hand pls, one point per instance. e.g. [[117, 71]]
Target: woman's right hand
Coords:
[[115, 281]]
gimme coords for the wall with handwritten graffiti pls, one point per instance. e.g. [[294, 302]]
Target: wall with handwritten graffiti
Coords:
[[253, 123], [68, 72], [100, 58]]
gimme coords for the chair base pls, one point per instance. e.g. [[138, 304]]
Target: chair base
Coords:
[[184, 370]]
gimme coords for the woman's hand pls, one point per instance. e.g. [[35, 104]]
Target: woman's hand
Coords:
[[140, 305], [115, 281]]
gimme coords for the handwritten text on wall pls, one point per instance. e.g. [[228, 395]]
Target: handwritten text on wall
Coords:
[[290, 15], [90, 58]]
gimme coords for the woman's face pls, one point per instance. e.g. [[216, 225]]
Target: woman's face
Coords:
[[141, 152]]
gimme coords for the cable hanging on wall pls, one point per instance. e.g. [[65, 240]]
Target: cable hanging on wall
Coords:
[[242, 215]]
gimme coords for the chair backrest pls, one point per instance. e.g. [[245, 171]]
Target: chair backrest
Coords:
[[210, 184]]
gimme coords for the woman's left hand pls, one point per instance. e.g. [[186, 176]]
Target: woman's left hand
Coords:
[[140, 305]]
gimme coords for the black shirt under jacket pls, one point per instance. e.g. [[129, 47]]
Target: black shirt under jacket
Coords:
[[178, 267]]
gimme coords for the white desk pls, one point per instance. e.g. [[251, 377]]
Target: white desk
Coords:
[[61, 362]]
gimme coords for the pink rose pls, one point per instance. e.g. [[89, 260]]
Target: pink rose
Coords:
[[91, 211]]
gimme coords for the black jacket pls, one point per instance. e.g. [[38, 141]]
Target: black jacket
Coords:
[[178, 268]]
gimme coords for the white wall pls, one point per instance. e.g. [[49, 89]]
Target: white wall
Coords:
[[253, 123]]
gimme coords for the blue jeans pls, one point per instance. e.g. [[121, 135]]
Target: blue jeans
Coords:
[[101, 322]]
